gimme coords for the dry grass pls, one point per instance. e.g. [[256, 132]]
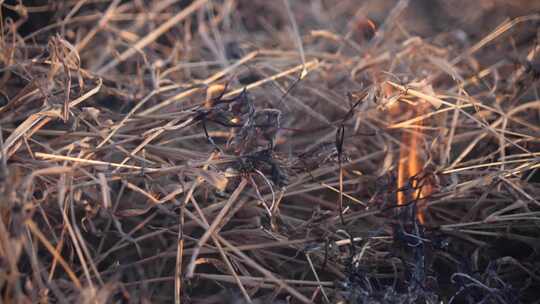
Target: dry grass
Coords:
[[267, 152]]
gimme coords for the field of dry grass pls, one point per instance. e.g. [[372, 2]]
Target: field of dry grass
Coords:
[[289, 151]]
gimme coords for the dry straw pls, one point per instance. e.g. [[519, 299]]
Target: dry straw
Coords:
[[267, 152]]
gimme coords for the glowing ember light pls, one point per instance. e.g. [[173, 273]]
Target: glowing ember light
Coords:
[[371, 25], [212, 92], [366, 29]]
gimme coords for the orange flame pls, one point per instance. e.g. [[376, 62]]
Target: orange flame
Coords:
[[410, 165]]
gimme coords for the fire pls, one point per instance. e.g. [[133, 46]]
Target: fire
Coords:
[[411, 156], [411, 164]]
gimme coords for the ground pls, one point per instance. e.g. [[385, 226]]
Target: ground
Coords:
[[294, 151]]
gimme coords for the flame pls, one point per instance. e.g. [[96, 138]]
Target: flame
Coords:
[[411, 164]]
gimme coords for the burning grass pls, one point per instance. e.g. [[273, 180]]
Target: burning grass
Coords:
[[266, 152]]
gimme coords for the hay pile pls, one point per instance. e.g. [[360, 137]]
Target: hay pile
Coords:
[[268, 152]]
